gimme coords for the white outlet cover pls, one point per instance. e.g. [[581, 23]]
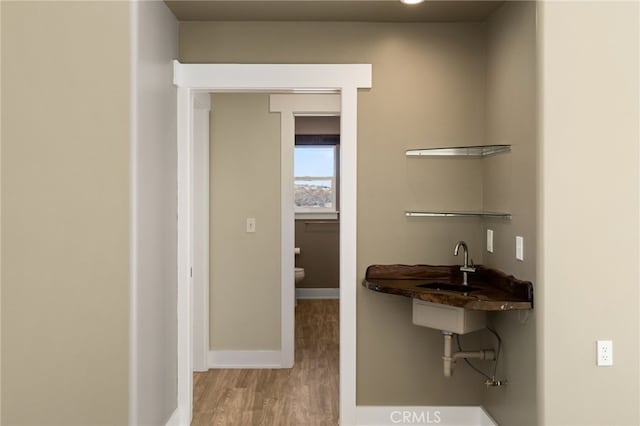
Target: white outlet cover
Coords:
[[519, 248], [490, 240], [604, 353]]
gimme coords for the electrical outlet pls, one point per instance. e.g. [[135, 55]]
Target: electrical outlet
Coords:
[[519, 248], [251, 224], [490, 240], [604, 349]]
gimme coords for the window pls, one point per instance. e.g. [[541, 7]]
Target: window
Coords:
[[315, 177]]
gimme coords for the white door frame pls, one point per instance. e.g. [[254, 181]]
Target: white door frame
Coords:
[[288, 106], [200, 231], [344, 79]]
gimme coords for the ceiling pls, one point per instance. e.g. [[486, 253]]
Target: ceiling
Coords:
[[332, 10]]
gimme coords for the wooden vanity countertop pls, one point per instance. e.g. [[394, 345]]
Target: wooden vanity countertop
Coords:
[[495, 290]]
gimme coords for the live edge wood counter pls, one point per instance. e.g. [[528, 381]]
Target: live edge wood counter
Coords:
[[495, 290]]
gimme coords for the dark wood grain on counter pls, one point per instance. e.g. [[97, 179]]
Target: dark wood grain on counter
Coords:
[[496, 291]]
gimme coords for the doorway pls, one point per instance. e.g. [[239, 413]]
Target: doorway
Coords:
[[317, 206], [242, 381], [345, 79]]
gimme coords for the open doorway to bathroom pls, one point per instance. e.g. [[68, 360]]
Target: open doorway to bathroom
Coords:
[[339, 85], [244, 382], [317, 258], [316, 198]]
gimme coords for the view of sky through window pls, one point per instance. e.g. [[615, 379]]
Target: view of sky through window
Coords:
[[314, 178], [314, 161]]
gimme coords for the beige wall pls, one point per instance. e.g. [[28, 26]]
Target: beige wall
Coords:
[[589, 186], [0, 214], [245, 183], [319, 243], [428, 90], [154, 328], [510, 185], [65, 213]]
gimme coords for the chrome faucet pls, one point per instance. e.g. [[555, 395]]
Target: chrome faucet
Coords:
[[466, 267]]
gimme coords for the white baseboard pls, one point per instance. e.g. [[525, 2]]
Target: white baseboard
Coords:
[[174, 420], [486, 419], [245, 359], [442, 416], [317, 293]]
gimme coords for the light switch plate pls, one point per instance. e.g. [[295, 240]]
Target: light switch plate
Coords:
[[251, 224], [490, 240], [519, 248]]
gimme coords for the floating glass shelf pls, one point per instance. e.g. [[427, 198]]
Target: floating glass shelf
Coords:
[[498, 215], [463, 151]]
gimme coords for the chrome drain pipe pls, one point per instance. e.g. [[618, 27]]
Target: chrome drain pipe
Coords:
[[449, 359]]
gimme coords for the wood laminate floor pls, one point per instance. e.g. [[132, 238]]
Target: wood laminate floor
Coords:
[[305, 395]]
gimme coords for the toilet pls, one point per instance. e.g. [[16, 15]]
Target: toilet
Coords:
[[299, 272]]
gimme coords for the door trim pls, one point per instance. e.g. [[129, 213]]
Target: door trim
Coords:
[[344, 79], [202, 107], [289, 106]]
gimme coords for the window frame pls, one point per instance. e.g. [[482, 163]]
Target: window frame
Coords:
[[320, 141]]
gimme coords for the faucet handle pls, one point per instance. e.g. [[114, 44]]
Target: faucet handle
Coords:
[[468, 268]]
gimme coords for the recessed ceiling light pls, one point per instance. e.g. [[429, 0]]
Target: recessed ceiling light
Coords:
[[411, 1]]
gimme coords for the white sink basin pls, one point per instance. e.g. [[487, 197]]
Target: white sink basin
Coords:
[[447, 318]]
